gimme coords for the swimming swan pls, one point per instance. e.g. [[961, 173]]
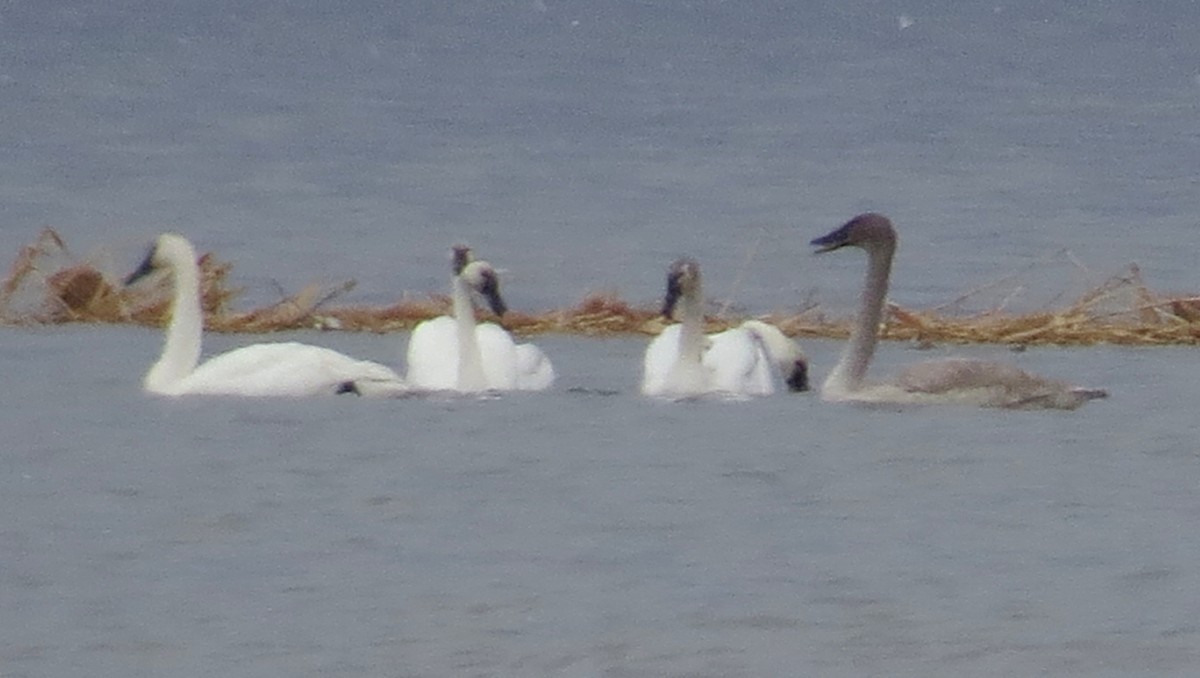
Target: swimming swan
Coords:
[[975, 382], [278, 369], [454, 353], [682, 361]]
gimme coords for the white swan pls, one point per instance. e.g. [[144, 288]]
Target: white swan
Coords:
[[975, 382], [457, 354], [682, 361], [278, 369]]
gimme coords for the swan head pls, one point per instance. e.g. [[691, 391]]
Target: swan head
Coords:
[[167, 248], [868, 231], [481, 277], [797, 378], [683, 279], [784, 352], [460, 256]]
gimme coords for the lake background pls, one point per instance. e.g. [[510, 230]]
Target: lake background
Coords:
[[586, 531]]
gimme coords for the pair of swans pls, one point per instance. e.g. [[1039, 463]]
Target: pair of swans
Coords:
[[444, 353], [455, 353], [683, 361], [746, 360], [974, 382]]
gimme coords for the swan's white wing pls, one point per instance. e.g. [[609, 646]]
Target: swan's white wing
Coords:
[[280, 369], [738, 363], [499, 353], [534, 370], [661, 356], [785, 353], [433, 355]]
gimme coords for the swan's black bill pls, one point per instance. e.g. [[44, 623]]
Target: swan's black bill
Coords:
[[868, 228], [144, 269], [674, 291], [459, 258], [490, 289], [675, 274], [833, 240]]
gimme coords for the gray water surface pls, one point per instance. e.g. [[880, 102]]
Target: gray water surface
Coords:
[[587, 531]]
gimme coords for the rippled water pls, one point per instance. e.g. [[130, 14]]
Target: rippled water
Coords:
[[588, 531]]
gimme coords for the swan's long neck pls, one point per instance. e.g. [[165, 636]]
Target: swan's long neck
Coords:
[[851, 371], [691, 327], [687, 374], [470, 360], [181, 352]]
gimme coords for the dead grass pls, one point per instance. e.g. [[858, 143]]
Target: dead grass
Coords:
[[48, 285]]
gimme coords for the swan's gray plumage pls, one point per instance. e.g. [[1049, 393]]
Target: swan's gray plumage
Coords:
[[978, 382], [1009, 385]]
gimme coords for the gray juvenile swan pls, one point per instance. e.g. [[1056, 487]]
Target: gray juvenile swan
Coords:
[[972, 382]]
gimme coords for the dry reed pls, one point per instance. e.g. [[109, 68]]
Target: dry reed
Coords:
[[48, 285]]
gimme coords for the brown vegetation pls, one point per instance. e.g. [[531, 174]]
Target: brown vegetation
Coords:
[[48, 285]]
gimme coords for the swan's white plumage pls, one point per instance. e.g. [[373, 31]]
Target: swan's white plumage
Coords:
[[433, 357], [973, 382], [739, 363], [455, 353], [733, 362], [534, 370], [681, 361], [277, 369]]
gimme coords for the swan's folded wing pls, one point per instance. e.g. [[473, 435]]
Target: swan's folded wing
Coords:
[[499, 354], [661, 355], [534, 370], [990, 384], [739, 364], [432, 355], [280, 369]]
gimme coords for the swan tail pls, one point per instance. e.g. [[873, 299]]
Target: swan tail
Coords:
[[1068, 399]]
